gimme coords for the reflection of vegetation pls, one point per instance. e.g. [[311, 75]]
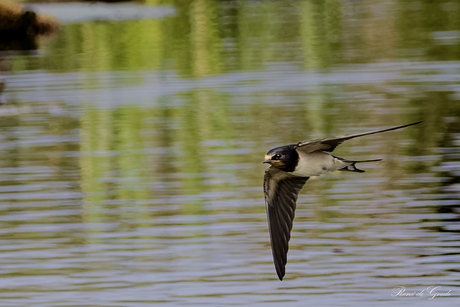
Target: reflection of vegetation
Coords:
[[190, 154], [113, 145], [424, 29], [321, 33], [208, 38]]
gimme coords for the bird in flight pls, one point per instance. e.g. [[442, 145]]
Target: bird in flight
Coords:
[[290, 167]]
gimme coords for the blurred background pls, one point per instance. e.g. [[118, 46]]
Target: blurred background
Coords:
[[132, 136]]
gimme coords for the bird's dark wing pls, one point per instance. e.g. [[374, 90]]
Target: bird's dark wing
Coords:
[[281, 190], [332, 143]]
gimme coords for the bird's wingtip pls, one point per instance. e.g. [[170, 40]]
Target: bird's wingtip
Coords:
[[416, 123], [280, 272]]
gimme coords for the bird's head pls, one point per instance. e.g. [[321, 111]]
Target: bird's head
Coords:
[[284, 158]]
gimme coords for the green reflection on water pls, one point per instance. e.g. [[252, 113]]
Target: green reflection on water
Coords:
[[208, 37], [195, 152]]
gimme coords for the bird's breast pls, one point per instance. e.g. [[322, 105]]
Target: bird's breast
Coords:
[[316, 164]]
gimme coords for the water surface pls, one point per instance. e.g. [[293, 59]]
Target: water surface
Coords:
[[131, 156]]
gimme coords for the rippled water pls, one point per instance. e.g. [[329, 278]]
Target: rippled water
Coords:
[[131, 157]]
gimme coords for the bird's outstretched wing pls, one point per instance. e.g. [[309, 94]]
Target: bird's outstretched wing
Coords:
[[330, 144], [281, 190]]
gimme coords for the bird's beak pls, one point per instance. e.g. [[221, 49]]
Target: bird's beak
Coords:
[[267, 161]]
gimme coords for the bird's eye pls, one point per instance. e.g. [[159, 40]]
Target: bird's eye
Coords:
[[277, 156]]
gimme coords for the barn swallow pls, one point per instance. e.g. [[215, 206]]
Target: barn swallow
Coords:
[[290, 167]]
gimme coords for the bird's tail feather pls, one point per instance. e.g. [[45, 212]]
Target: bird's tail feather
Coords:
[[352, 168]]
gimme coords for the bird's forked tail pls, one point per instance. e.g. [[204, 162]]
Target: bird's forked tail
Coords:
[[352, 168]]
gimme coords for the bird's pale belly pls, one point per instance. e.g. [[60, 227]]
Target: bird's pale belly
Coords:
[[316, 164]]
